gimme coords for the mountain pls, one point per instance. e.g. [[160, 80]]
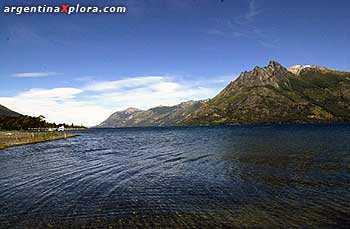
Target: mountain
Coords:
[[271, 94], [120, 118], [275, 94], [158, 116], [4, 111]]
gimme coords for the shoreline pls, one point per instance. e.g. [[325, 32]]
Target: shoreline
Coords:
[[232, 125], [18, 138]]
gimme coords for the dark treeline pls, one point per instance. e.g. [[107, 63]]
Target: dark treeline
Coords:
[[27, 122]]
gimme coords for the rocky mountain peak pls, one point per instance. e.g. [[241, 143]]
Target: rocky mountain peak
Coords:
[[131, 110], [274, 65], [260, 76]]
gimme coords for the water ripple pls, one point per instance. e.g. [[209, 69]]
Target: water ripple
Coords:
[[271, 176]]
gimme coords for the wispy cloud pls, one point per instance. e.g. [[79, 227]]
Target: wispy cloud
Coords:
[[123, 83], [244, 26], [35, 74], [54, 94], [84, 78], [252, 12]]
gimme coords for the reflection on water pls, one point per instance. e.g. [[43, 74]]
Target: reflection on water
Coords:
[[247, 176]]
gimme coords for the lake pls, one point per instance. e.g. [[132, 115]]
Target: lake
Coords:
[[270, 176]]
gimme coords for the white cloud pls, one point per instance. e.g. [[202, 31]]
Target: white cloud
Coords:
[[52, 94], [148, 91], [35, 74], [155, 95], [124, 83], [57, 105], [165, 86]]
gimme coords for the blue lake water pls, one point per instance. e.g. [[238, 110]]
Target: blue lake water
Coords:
[[238, 176]]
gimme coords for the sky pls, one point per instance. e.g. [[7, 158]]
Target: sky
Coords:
[[80, 68]]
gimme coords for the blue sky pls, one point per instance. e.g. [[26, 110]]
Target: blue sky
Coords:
[[80, 68]]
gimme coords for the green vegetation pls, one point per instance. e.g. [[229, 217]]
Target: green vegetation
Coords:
[[24, 122]]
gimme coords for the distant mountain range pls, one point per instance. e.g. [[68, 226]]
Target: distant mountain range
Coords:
[[158, 116], [4, 111], [271, 94]]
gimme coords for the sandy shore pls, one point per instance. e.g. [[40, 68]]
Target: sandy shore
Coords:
[[16, 138]]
